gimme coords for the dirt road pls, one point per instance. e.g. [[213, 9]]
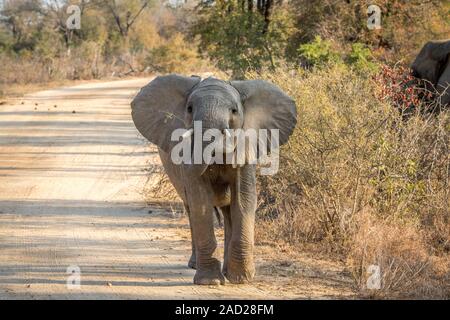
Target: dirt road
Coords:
[[72, 174]]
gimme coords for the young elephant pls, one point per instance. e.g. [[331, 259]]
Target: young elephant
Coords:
[[433, 64], [172, 102]]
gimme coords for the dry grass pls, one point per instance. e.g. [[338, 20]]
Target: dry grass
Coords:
[[160, 193], [400, 250], [359, 180], [160, 187], [20, 75]]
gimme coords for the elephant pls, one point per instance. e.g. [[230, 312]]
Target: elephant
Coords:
[[172, 102], [433, 64]]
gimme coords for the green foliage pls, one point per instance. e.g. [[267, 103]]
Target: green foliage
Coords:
[[361, 58], [239, 39], [356, 152], [318, 52]]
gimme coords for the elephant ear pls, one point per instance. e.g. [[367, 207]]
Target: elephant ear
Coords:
[[158, 108], [430, 62], [267, 107]]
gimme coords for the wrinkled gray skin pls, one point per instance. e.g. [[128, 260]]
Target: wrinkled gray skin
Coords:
[[433, 64], [173, 101]]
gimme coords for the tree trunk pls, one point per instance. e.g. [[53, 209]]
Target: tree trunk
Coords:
[[267, 14]]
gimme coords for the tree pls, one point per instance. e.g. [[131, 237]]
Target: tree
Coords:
[[240, 36], [124, 13], [21, 18], [57, 12]]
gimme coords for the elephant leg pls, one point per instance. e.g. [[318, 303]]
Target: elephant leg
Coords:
[[240, 262], [228, 231], [202, 225], [193, 259]]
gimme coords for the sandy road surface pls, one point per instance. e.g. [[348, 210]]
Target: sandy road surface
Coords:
[[72, 174]]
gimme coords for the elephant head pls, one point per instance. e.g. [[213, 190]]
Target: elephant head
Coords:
[[172, 102], [433, 65]]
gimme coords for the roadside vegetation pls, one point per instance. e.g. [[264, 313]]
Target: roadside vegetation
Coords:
[[365, 178]]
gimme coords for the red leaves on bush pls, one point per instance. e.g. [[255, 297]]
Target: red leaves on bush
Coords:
[[401, 89]]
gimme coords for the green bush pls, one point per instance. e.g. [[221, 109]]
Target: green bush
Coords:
[[361, 58], [239, 39], [318, 52]]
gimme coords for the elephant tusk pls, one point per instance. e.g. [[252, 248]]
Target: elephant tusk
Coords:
[[188, 133], [227, 133]]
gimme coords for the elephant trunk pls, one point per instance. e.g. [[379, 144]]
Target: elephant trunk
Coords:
[[210, 135]]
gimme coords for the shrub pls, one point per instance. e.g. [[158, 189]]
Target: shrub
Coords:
[[239, 37], [397, 86], [361, 58], [355, 163], [175, 55], [318, 52], [405, 25]]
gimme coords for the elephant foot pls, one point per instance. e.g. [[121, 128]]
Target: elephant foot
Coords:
[[192, 262], [240, 273], [209, 277]]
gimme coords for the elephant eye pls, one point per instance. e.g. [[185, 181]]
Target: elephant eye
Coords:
[[189, 108], [234, 111]]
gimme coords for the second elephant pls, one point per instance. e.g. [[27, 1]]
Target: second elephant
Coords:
[[433, 64]]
